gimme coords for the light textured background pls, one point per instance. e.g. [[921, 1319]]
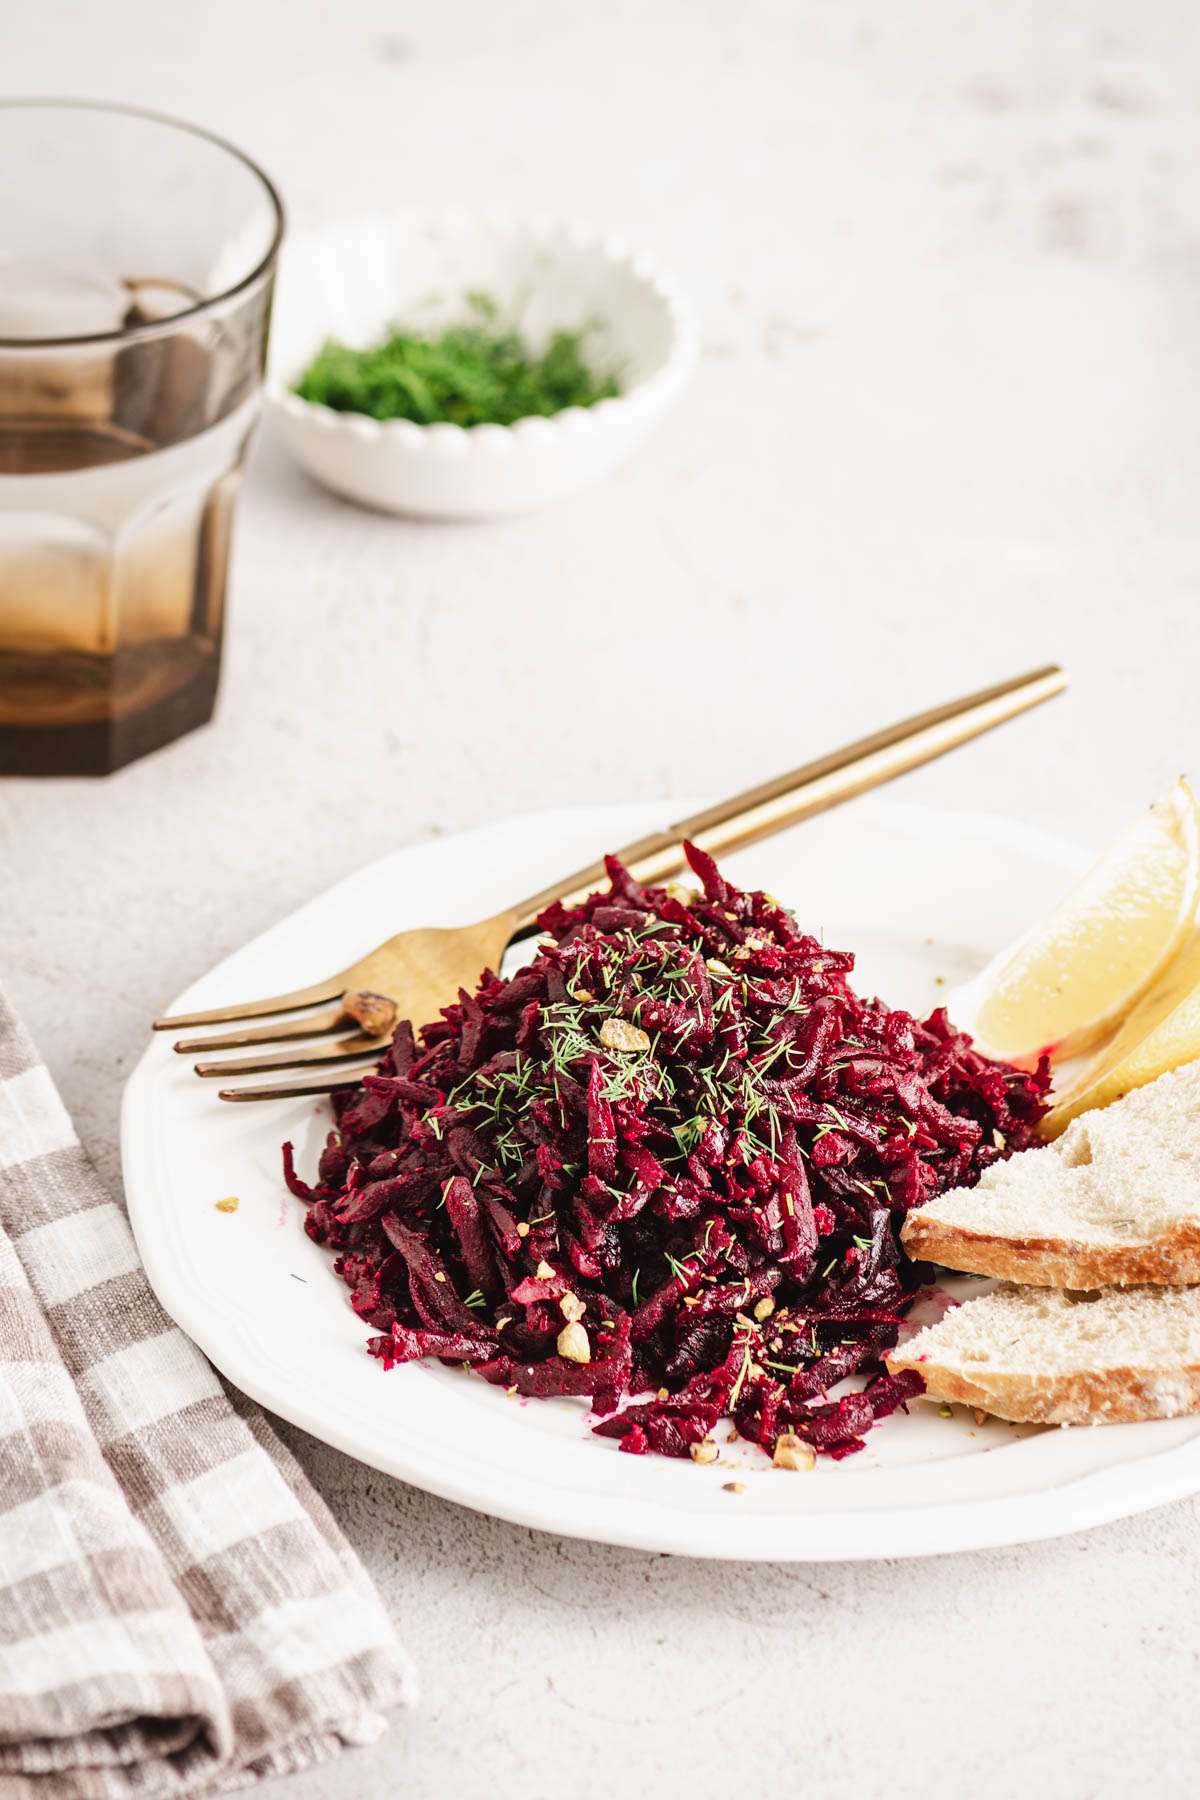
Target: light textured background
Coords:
[[948, 262]]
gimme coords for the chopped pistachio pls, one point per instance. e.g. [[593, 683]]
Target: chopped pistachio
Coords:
[[705, 1451], [620, 1034], [791, 1452], [374, 1012], [573, 1343]]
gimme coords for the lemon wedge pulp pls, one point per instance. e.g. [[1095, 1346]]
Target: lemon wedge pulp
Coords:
[[1161, 1032], [1077, 973]]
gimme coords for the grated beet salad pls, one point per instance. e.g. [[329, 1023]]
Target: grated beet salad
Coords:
[[666, 1160]]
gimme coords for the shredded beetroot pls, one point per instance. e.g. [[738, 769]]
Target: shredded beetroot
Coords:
[[676, 1148]]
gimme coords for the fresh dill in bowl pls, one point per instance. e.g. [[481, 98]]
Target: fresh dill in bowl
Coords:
[[478, 371]]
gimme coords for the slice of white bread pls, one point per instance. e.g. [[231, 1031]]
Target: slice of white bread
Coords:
[[1113, 1202], [1055, 1358]]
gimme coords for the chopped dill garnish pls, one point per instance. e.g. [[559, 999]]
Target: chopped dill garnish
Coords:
[[477, 371]]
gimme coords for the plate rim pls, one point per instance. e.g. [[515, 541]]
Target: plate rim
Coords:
[[1095, 1496]]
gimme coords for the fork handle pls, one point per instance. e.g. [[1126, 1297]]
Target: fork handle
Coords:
[[867, 763]]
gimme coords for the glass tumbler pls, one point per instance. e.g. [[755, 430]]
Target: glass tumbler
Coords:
[[136, 261]]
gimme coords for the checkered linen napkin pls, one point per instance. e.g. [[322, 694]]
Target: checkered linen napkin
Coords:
[[179, 1614]]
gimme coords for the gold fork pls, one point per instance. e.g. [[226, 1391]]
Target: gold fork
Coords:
[[419, 971]]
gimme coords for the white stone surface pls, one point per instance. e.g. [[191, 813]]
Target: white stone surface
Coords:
[[948, 261]]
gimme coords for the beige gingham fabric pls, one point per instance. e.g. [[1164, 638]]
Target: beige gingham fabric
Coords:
[[178, 1611]]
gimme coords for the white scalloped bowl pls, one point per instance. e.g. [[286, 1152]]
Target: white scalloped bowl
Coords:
[[350, 281]]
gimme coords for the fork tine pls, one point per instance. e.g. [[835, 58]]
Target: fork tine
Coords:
[[325, 1083], [258, 1009], [311, 1025], [339, 1051]]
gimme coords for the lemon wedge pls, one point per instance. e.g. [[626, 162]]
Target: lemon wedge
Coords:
[[1076, 974], [1161, 1032]]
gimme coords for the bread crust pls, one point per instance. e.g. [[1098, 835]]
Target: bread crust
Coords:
[[1170, 1260], [1119, 1396]]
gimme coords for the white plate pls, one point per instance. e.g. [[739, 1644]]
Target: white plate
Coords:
[[923, 897]]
